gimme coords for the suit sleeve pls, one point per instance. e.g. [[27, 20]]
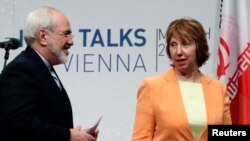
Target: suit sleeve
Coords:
[[18, 99], [144, 119]]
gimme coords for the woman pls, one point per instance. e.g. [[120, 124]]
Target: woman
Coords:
[[179, 104]]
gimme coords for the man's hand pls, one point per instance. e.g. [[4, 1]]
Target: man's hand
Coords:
[[76, 134]]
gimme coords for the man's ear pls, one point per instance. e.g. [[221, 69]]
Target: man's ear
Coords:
[[42, 37]]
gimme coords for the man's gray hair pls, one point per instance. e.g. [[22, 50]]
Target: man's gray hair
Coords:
[[40, 18]]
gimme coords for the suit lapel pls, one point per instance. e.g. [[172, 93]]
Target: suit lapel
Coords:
[[65, 101], [60, 96], [180, 110], [44, 70], [177, 101], [208, 98], [210, 107]]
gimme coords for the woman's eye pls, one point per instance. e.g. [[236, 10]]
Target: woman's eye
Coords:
[[173, 45]]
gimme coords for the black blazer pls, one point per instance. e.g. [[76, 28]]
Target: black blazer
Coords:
[[32, 107]]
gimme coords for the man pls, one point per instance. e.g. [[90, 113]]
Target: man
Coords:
[[34, 105]]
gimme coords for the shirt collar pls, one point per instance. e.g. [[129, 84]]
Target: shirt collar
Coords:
[[46, 62]]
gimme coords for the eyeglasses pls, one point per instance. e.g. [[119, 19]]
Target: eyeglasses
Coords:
[[66, 34]]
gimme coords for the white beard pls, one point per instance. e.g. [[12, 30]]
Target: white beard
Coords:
[[61, 56]]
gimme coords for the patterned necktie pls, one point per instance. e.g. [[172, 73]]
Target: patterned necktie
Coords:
[[52, 72]]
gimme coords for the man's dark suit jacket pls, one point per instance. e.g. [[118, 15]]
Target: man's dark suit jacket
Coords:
[[32, 107]]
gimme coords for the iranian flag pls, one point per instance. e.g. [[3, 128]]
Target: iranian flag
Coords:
[[234, 56]]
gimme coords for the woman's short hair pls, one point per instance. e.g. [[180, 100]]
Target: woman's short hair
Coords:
[[189, 29]]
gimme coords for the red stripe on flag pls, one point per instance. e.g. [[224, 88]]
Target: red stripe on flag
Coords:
[[240, 106]]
